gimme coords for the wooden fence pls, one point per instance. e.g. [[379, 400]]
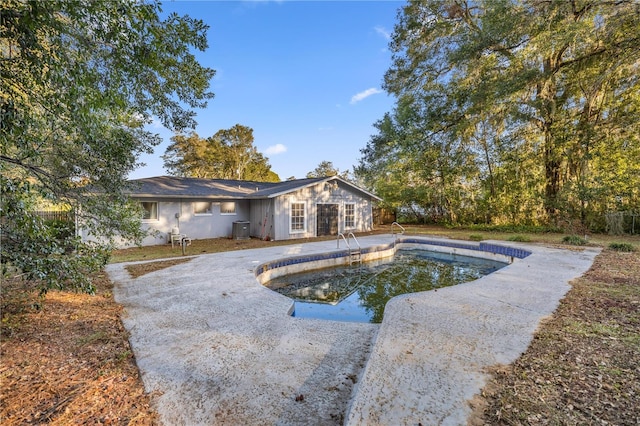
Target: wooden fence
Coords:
[[383, 216], [61, 215]]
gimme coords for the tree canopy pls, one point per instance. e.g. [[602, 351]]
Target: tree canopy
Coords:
[[80, 80], [512, 111], [325, 168], [229, 154]]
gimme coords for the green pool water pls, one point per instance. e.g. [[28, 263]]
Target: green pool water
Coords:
[[359, 293]]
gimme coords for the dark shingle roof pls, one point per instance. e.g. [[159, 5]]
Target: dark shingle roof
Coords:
[[181, 187]]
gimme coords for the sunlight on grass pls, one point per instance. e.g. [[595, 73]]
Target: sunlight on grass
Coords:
[[216, 245]]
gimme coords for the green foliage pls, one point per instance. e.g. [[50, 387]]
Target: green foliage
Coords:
[[511, 112], [515, 228], [79, 82], [325, 169], [41, 252], [615, 223], [626, 247], [574, 240], [476, 237], [519, 238], [62, 230], [229, 154]]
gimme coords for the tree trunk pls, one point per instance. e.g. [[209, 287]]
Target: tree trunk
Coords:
[[547, 94]]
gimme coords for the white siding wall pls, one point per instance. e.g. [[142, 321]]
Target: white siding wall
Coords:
[[195, 226], [321, 194]]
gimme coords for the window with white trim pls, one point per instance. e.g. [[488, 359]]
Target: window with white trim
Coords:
[[298, 218], [202, 208], [349, 215], [149, 210], [228, 207]]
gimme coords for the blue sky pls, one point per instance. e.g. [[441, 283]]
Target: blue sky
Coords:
[[306, 76]]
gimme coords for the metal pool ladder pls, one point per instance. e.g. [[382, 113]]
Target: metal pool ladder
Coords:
[[355, 254], [393, 233]]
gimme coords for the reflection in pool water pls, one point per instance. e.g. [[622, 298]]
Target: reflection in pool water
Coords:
[[360, 293]]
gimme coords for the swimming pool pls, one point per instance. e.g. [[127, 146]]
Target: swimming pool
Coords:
[[359, 293]]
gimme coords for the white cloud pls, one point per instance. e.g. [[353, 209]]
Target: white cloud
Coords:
[[275, 149], [365, 94], [383, 32]]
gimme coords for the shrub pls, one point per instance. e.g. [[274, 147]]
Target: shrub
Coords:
[[532, 229], [622, 247], [574, 240], [62, 229], [519, 238]]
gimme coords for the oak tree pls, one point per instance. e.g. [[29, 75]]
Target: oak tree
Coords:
[[520, 106], [80, 80], [229, 154]]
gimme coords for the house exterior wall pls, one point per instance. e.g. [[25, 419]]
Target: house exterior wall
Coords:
[[333, 193], [181, 213], [261, 218], [270, 218]]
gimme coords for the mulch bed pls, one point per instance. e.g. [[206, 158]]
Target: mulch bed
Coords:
[[137, 270], [583, 367], [69, 362]]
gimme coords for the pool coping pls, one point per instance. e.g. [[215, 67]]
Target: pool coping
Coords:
[[267, 271], [294, 264], [421, 365]]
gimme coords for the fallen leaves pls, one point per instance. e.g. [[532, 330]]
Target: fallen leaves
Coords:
[[582, 366], [70, 363]]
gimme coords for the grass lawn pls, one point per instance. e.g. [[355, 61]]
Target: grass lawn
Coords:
[[216, 245], [69, 361]]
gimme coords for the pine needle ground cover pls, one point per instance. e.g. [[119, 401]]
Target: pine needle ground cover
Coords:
[[69, 362], [582, 367]]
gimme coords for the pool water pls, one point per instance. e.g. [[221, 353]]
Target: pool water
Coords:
[[359, 293]]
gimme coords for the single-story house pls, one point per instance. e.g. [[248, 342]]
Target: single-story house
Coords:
[[213, 208]]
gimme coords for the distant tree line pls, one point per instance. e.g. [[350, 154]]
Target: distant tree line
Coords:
[[228, 154], [521, 112]]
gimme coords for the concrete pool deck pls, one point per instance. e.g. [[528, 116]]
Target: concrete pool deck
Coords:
[[216, 347]]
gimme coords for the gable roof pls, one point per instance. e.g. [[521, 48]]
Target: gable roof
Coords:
[[183, 187]]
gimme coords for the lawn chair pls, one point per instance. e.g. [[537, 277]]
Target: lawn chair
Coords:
[[177, 237]]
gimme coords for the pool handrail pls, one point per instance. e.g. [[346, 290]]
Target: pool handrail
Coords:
[[347, 238], [340, 234], [350, 235], [355, 255], [399, 226]]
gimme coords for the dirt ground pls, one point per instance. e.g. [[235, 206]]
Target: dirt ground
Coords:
[[70, 361]]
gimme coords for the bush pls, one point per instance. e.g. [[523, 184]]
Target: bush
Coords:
[[531, 229], [622, 247], [519, 238], [62, 229], [574, 240]]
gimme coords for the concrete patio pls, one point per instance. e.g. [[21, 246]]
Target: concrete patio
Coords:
[[219, 348]]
